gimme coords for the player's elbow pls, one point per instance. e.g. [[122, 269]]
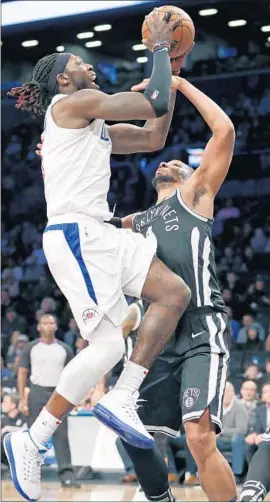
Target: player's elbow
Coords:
[[162, 109], [225, 130], [156, 142]]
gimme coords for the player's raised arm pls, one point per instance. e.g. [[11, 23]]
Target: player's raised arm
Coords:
[[129, 139], [94, 104], [218, 153]]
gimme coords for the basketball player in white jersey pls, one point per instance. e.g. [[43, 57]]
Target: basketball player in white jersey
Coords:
[[94, 263]]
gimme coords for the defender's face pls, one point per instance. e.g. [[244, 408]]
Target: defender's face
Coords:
[[169, 173], [171, 169], [81, 74]]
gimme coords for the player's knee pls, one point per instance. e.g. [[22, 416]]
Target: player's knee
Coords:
[[201, 441], [178, 293]]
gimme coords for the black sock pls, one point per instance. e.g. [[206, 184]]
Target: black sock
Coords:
[[258, 478], [151, 471]]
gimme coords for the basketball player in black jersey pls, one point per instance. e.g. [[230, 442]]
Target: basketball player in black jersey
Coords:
[[186, 383]]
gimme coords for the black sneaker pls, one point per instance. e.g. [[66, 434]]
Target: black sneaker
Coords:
[[70, 483]]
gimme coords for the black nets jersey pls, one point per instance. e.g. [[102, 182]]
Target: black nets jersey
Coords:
[[184, 243]]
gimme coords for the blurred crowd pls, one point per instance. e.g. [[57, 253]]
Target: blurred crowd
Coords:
[[242, 238]]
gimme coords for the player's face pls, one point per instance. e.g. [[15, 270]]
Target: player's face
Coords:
[[169, 173], [47, 326], [81, 74]]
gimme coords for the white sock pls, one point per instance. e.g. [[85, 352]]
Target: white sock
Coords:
[[44, 427], [131, 378]]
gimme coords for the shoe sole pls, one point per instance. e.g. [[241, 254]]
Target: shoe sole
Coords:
[[124, 431], [11, 462]]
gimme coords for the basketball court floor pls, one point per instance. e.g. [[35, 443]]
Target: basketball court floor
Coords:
[[51, 491]]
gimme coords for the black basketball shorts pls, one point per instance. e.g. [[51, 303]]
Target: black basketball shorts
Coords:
[[179, 387]]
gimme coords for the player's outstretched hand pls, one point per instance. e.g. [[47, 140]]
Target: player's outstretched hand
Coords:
[[160, 30], [38, 150], [143, 85]]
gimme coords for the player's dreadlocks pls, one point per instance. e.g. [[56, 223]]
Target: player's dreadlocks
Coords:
[[34, 96]]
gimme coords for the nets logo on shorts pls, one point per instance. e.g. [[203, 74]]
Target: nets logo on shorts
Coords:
[[154, 95], [190, 397], [89, 314]]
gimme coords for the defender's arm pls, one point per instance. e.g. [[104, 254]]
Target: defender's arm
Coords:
[[218, 153]]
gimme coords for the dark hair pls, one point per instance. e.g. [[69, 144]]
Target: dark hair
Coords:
[[34, 97], [48, 315]]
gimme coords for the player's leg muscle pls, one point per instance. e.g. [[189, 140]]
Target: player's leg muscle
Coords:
[[215, 475], [169, 296]]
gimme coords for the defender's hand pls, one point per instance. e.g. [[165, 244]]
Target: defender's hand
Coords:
[[143, 85]]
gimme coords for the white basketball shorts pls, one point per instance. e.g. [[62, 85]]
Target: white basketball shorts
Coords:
[[94, 264]]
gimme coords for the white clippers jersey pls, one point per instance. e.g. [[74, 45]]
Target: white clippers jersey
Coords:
[[76, 168]]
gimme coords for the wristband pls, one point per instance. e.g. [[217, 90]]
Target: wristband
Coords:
[[160, 45], [116, 221]]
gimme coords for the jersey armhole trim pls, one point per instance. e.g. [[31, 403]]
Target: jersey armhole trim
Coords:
[[196, 215], [59, 128]]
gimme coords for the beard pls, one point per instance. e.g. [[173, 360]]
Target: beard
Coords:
[[163, 179], [83, 82]]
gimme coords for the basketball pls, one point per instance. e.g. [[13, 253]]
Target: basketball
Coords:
[[183, 35]]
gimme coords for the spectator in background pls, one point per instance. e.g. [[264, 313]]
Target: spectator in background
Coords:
[[11, 352], [266, 376], [48, 305], [248, 394], [12, 321], [71, 335], [253, 373], [253, 341], [7, 376], [258, 423], [15, 350], [258, 241], [10, 283], [234, 325], [257, 296], [229, 211], [11, 420], [230, 260], [235, 426], [43, 289], [5, 300], [249, 322]]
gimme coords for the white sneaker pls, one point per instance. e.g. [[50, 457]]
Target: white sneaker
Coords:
[[117, 410], [139, 495], [25, 460]]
